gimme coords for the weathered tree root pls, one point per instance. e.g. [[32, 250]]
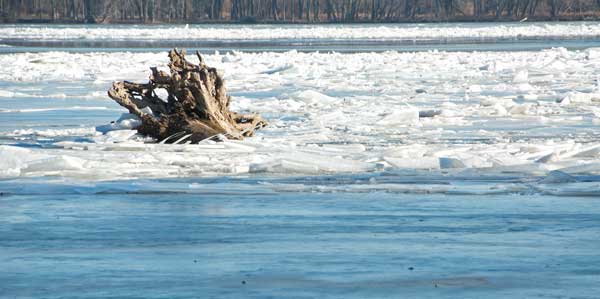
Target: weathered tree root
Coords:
[[197, 106]]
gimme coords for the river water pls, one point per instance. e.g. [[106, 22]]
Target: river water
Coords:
[[353, 191]]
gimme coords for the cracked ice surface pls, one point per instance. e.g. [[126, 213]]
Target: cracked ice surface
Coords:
[[469, 31], [477, 114]]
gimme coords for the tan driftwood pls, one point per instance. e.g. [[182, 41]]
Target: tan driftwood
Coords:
[[197, 106]]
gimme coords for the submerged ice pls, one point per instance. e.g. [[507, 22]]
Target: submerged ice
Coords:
[[531, 113]]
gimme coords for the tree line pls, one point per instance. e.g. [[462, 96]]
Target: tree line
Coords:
[[301, 11]]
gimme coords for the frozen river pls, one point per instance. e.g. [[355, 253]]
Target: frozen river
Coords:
[[397, 163]]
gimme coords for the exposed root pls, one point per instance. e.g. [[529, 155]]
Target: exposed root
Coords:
[[197, 106]]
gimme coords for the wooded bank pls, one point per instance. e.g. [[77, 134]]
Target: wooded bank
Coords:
[[292, 11]]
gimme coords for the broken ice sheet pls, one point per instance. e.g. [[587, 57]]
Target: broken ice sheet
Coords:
[[329, 113]]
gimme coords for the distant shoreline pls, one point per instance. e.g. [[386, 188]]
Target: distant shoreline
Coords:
[[293, 11], [271, 22]]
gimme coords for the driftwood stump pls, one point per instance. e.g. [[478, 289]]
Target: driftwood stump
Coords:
[[196, 108]]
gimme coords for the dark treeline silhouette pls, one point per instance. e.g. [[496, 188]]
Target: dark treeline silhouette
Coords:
[[190, 11]]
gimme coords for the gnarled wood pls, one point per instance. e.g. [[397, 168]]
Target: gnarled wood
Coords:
[[197, 104]]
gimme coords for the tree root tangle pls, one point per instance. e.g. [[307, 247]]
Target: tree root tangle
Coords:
[[197, 106]]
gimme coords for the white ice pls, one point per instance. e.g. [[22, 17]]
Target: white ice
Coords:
[[489, 112], [302, 32]]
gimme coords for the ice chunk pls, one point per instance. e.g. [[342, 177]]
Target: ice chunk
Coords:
[[414, 163], [592, 53], [521, 76], [579, 97], [587, 168], [6, 94], [429, 113], [446, 163], [475, 88], [115, 136], [558, 177], [474, 161], [162, 93], [525, 87], [127, 121], [552, 157], [53, 164], [90, 131], [402, 116], [528, 97], [313, 97], [589, 152], [301, 162], [500, 110], [279, 69], [12, 159], [520, 109]]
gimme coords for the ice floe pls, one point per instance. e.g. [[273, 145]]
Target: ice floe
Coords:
[[310, 32], [477, 113]]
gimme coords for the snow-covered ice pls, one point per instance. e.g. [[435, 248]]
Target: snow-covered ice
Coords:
[[442, 31], [494, 112]]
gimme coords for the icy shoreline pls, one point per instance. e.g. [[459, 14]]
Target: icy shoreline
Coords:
[[449, 32], [529, 113]]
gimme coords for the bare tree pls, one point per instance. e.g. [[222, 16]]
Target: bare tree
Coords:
[[159, 11]]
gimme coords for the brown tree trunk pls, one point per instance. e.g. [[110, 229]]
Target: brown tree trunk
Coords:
[[197, 106]]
